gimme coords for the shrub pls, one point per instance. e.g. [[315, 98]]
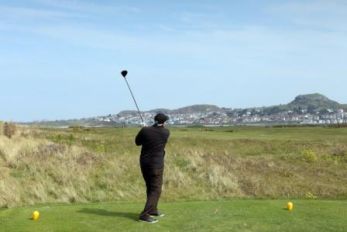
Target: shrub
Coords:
[[310, 195], [9, 129], [309, 156]]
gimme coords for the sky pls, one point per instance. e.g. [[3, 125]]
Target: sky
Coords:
[[61, 59]]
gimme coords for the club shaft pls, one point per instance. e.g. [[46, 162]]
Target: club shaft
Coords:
[[132, 95]]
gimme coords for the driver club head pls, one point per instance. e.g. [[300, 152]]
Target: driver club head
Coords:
[[124, 73]]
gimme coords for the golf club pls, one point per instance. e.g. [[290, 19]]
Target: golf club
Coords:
[[124, 74]]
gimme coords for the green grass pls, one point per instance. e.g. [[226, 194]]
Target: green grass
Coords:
[[233, 215]]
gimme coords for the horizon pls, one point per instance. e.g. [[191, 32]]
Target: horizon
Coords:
[[170, 109], [62, 59]]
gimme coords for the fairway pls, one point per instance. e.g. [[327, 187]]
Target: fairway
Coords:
[[233, 215]]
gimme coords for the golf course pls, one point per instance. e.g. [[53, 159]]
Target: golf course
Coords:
[[216, 179], [173, 116]]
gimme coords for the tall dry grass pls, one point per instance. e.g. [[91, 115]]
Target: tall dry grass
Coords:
[[37, 171], [40, 165]]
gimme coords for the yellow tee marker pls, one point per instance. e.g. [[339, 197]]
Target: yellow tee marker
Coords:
[[290, 206], [36, 215]]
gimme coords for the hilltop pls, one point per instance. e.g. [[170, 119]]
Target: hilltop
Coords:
[[197, 108], [311, 103], [315, 101]]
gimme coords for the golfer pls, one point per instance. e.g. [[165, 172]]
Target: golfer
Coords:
[[153, 140]]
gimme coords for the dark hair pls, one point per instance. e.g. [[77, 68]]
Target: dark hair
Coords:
[[160, 118]]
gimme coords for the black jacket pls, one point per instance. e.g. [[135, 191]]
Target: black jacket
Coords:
[[153, 140]]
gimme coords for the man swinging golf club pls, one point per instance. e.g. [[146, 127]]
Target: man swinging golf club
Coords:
[[153, 140]]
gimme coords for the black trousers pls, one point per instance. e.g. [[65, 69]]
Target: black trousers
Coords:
[[154, 180]]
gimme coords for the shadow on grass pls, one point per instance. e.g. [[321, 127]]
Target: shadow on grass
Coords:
[[102, 212]]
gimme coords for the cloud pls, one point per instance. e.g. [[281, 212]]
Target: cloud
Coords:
[[319, 15], [25, 13], [45, 11], [89, 7], [245, 44]]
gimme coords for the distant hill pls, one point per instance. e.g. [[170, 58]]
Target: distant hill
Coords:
[[314, 101], [310, 103], [162, 110], [197, 108]]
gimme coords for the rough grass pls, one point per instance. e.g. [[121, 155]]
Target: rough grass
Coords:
[[93, 165], [235, 215]]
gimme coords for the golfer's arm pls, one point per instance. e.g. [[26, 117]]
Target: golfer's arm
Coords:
[[138, 139]]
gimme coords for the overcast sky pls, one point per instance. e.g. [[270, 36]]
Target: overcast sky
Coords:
[[61, 59]]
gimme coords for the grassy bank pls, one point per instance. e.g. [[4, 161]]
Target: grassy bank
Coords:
[[235, 215], [92, 165]]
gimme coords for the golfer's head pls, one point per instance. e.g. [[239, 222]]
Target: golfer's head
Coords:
[[160, 118]]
